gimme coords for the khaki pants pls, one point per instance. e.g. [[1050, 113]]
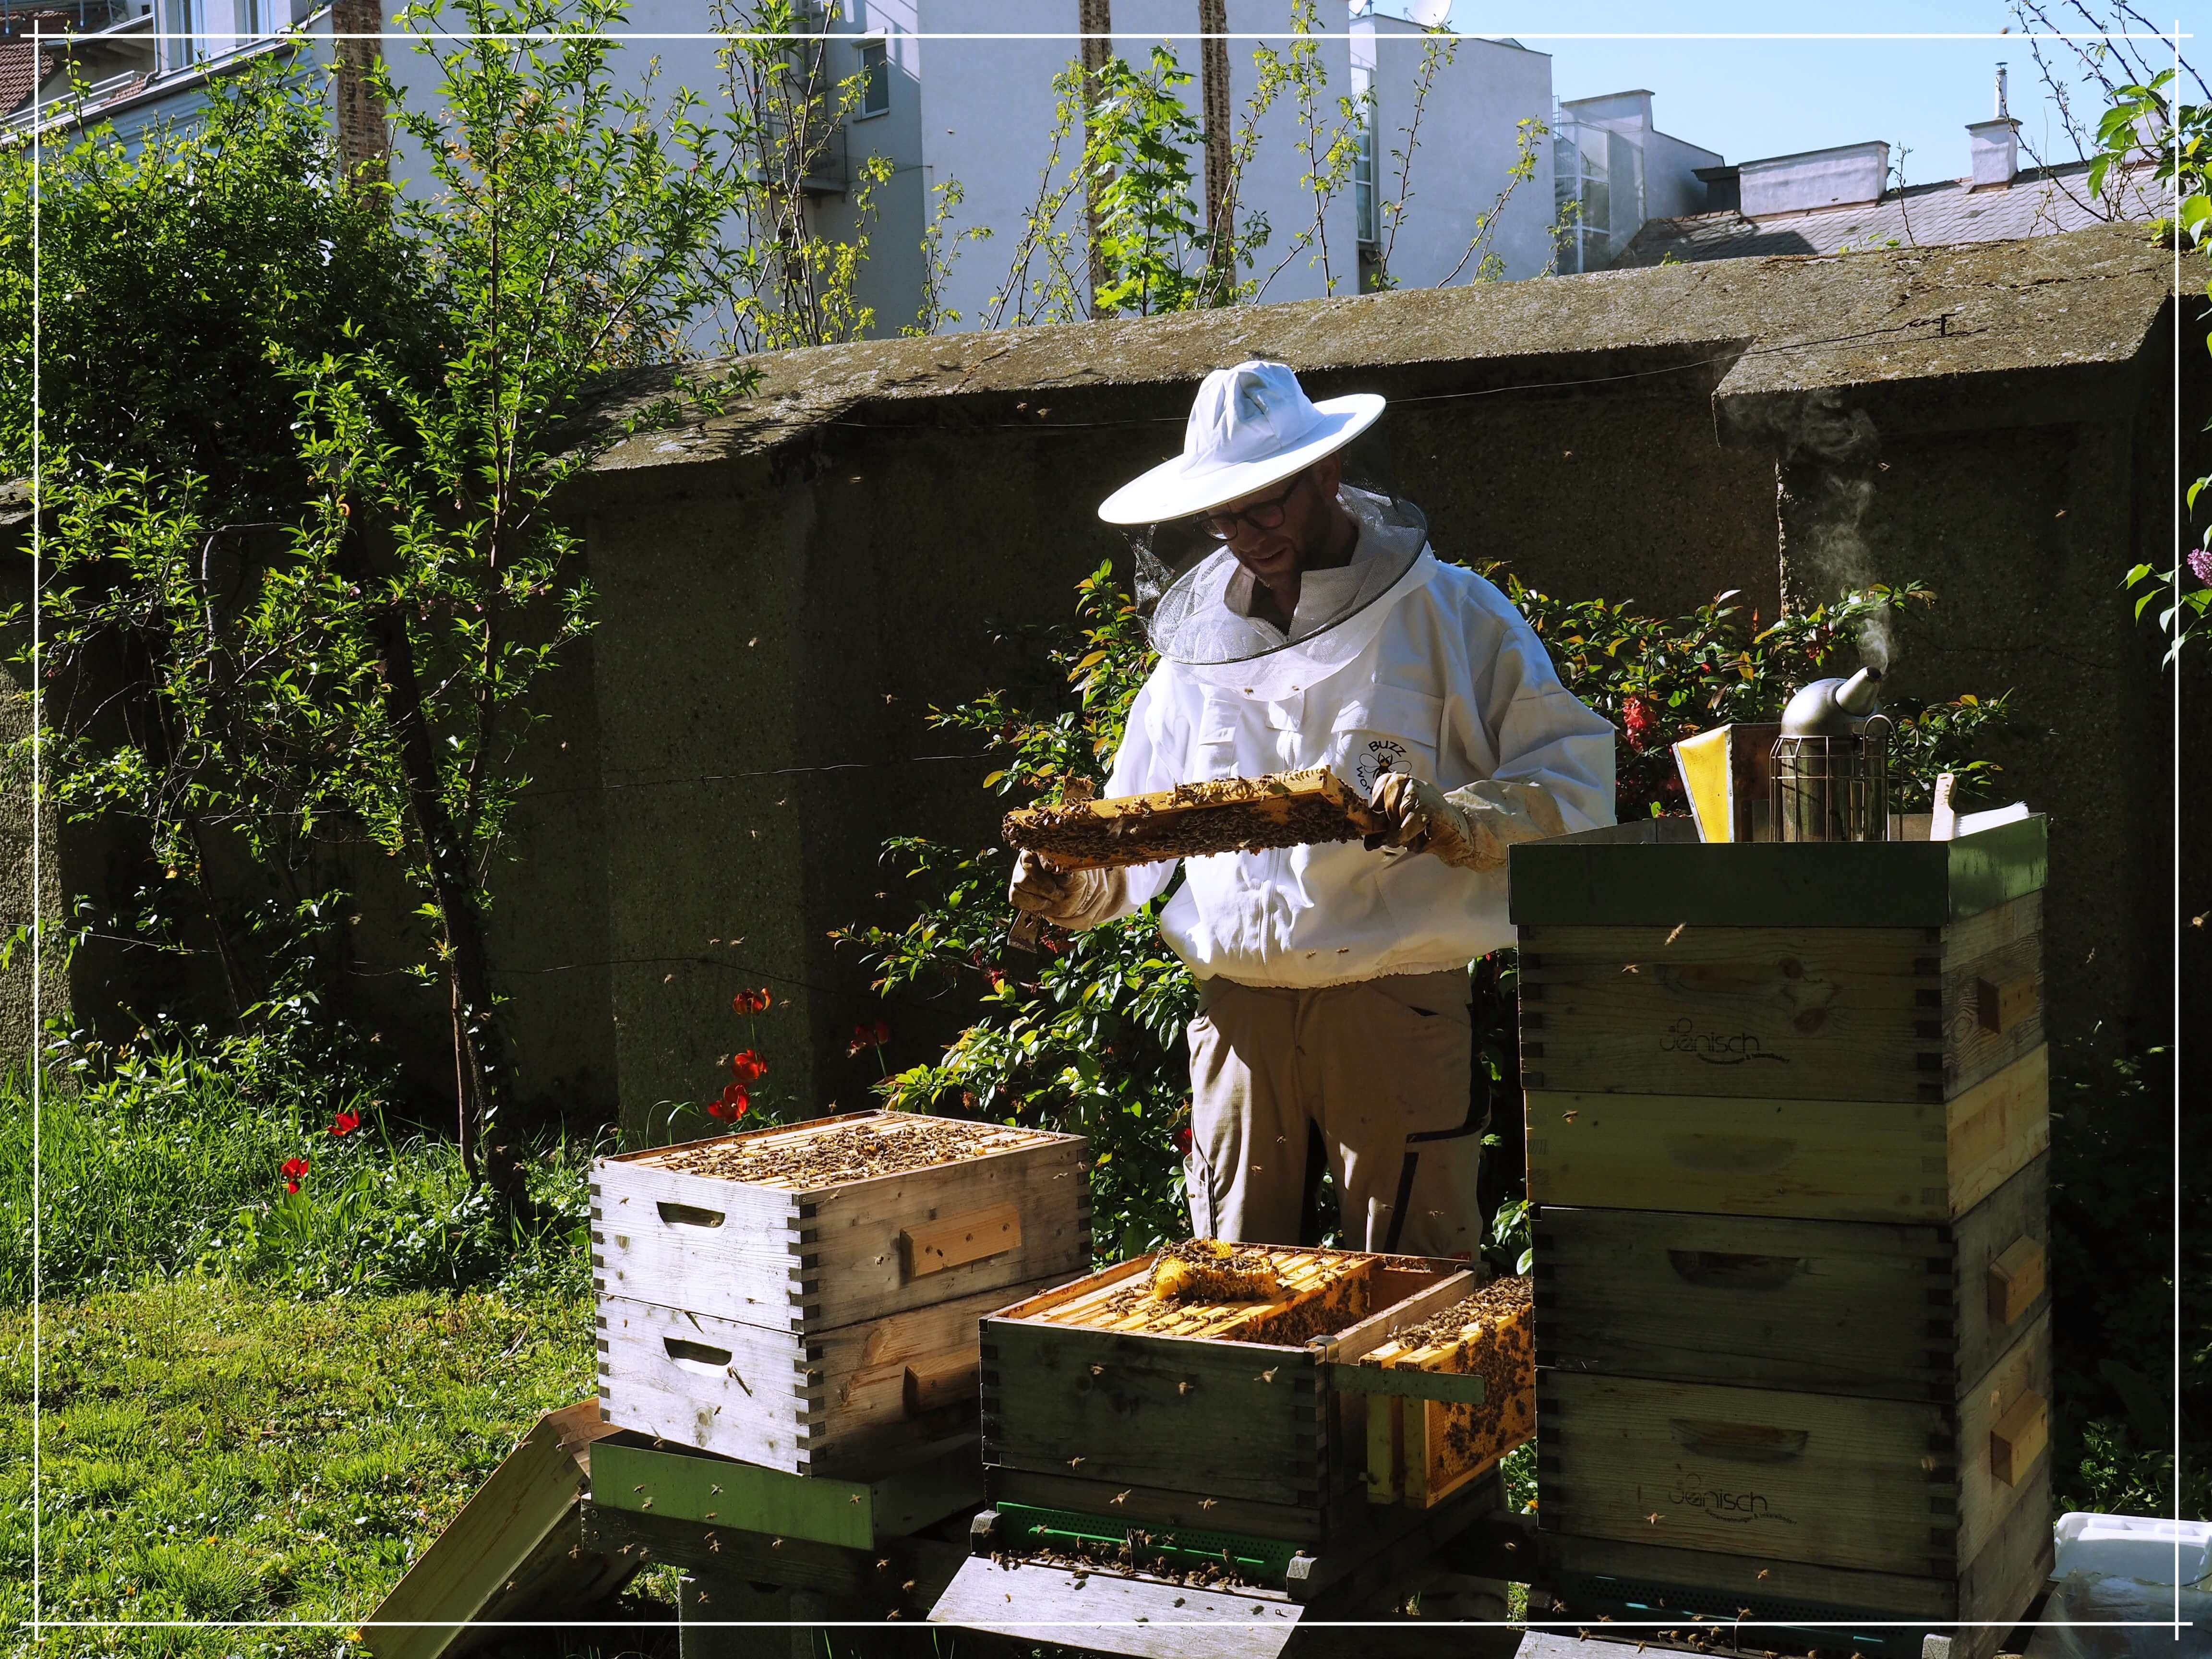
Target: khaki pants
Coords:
[[1382, 1067]]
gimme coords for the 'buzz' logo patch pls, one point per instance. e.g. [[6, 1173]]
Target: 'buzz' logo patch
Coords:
[[1372, 758]]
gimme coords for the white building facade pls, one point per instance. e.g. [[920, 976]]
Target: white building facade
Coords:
[[961, 92]]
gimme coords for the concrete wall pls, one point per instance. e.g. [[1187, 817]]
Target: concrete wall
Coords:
[[1604, 435], [21, 897], [787, 592]]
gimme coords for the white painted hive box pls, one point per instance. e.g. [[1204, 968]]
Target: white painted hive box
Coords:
[[804, 1297]]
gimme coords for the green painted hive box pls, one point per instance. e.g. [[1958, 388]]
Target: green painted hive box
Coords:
[[1843, 1032]]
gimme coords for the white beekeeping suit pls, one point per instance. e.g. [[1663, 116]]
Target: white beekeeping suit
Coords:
[[1439, 676], [1333, 977]]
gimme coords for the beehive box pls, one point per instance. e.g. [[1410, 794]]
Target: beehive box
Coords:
[[1915, 1488], [1100, 1400], [1820, 1159], [1422, 1448], [1224, 815], [801, 1297], [1893, 1312], [1832, 1609], [1904, 972]]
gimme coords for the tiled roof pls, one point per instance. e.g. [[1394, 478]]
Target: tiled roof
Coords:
[[19, 77], [2040, 202]]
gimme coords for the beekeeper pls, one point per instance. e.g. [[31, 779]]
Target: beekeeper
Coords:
[[1310, 624]]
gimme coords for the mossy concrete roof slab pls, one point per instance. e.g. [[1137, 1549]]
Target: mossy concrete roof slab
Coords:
[[1775, 328]]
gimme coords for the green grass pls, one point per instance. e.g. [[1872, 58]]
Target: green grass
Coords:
[[154, 1164], [258, 1405], [215, 1452]]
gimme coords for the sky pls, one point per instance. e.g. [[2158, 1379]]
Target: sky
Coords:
[[1749, 99]]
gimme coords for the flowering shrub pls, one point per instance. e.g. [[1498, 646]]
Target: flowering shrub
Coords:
[[1086, 1036], [746, 1066], [1660, 680]]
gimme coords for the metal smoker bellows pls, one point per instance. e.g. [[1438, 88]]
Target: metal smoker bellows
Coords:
[[1832, 763]]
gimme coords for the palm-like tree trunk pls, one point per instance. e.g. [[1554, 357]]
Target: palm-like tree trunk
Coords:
[[1213, 89], [1095, 21]]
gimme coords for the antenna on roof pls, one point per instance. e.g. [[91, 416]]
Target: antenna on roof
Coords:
[[2004, 115]]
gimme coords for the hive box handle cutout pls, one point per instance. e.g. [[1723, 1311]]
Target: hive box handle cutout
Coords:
[[940, 1380], [936, 1245], [2015, 1280], [1998, 1008], [1727, 1270], [2018, 1438], [1739, 1443], [696, 1355], [690, 1215]]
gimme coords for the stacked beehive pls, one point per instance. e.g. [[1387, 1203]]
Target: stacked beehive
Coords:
[[1788, 1121], [806, 1299], [1171, 1413]]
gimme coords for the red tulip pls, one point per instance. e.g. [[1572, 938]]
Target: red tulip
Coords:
[[748, 1066], [752, 1002], [883, 1033], [345, 1123], [1183, 1140], [293, 1168]]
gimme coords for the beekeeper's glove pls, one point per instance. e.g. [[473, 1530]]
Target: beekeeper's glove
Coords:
[[1470, 827], [1070, 898]]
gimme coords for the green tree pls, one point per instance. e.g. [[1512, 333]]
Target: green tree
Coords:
[[2146, 118], [783, 275], [1149, 248], [368, 674], [165, 272], [1086, 1036]]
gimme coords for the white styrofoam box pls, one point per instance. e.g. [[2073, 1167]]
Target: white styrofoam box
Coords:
[[2138, 1547]]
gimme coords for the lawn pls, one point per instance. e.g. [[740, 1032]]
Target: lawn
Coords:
[[260, 1404], [217, 1452]]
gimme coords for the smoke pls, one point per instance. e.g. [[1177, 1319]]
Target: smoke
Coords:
[[1830, 457]]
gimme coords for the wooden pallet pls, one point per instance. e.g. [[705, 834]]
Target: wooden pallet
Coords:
[[1192, 820], [762, 1298], [515, 1552]]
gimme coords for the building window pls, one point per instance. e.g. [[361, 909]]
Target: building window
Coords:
[[1364, 208], [1597, 187], [875, 79], [187, 42]]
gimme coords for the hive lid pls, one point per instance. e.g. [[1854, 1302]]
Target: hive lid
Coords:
[[1655, 872]]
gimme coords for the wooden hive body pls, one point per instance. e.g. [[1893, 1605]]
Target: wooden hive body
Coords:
[[805, 1327], [1186, 1421], [1794, 1013], [1787, 1113], [1908, 1487], [1899, 1312]]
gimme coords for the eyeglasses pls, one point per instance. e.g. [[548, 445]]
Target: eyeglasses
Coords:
[[1221, 523]]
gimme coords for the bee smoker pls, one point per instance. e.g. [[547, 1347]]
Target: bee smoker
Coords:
[[1831, 764]]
